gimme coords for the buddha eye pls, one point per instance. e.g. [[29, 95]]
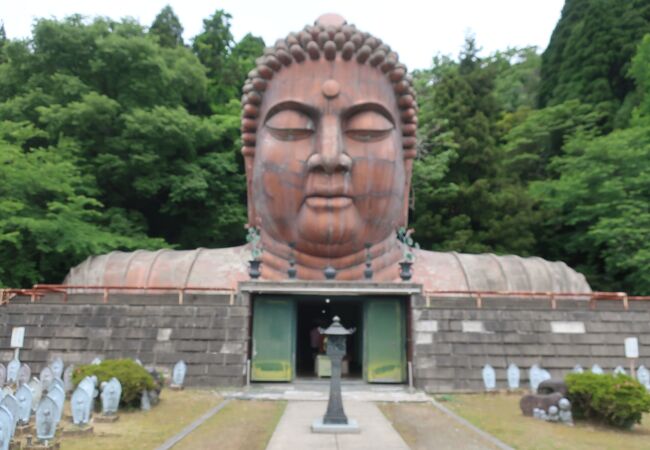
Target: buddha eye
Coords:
[[368, 126], [290, 125]]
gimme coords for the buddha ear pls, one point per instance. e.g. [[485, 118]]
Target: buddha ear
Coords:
[[249, 160], [408, 171]]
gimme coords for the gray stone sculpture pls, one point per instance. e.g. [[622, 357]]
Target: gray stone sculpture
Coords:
[[3, 374], [513, 376], [619, 370], [97, 361], [489, 378], [46, 377], [67, 378], [12, 371], [80, 405], [597, 369], [57, 382], [24, 374], [578, 369], [11, 404], [24, 395], [643, 376], [37, 388], [46, 414], [178, 374], [6, 420], [56, 393], [145, 402], [536, 375], [111, 393], [89, 385], [565, 411], [553, 414], [57, 367]]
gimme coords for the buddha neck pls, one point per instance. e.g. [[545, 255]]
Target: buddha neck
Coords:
[[384, 257]]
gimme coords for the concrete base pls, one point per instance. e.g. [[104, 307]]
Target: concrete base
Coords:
[[352, 427]]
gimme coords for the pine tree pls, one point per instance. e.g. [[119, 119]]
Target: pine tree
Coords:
[[167, 28]]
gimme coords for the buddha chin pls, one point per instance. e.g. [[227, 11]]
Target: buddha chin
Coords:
[[329, 222]]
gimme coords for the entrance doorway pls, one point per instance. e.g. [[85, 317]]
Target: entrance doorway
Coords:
[[319, 312], [284, 345]]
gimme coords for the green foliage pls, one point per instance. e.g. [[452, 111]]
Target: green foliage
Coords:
[[133, 377], [464, 200], [599, 207], [167, 28], [616, 400], [588, 56], [135, 140], [48, 213]]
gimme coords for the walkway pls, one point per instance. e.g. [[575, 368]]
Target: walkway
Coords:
[[294, 429]]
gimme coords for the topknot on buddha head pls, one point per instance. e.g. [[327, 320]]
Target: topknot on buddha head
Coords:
[[331, 38]]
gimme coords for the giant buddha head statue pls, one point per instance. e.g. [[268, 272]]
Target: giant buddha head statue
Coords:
[[328, 132]]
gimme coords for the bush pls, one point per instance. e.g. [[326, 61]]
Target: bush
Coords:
[[133, 377], [617, 400]]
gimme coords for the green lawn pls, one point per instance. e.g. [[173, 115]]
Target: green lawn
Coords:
[[143, 430], [499, 414]]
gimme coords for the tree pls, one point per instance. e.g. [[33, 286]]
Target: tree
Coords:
[[598, 214], [48, 216], [464, 200], [589, 53], [126, 119], [167, 28], [227, 63]]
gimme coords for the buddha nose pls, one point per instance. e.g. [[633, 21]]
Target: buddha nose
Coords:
[[329, 155]]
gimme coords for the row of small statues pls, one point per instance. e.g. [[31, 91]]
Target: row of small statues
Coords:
[[537, 375], [560, 413], [44, 397]]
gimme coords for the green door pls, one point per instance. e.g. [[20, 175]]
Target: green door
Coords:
[[384, 337], [274, 343]]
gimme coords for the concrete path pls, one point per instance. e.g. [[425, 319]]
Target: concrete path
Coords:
[[294, 429]]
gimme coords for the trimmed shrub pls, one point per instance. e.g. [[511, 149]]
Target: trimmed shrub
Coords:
[[133, 377], [617, 400]]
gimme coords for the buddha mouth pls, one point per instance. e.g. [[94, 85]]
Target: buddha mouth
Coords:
[[325, 201]]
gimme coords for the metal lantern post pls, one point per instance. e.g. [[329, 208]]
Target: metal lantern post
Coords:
[[335, 420]]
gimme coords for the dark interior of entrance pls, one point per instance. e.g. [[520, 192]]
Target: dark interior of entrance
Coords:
[[318, 312]]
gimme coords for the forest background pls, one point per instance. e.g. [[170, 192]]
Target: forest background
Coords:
[[119, 135]]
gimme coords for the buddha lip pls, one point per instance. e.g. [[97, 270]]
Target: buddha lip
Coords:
[[328, 201]]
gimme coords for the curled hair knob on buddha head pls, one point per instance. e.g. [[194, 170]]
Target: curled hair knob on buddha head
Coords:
[[330, 35]]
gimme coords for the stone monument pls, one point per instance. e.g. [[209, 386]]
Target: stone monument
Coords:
[[111, 393], [178, 375], [329, 119]]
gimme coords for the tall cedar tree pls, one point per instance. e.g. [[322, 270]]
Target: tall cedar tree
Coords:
[[588, 56], [167, 28]]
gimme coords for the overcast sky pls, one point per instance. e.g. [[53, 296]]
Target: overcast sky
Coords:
[[417, 30]]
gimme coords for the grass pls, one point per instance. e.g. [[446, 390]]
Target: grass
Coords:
[[241, 425], [424, 427], [500, 416], [147, 430]]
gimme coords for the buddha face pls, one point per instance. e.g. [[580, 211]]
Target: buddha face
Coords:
[[328, 173]]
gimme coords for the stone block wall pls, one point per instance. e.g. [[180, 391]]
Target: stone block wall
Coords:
[[209, 332], [452, 339]]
